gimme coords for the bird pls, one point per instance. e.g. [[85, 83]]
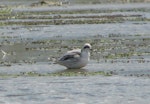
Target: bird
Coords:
[[76, 59]]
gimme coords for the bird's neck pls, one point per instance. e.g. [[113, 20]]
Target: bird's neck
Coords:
[[85, 54]]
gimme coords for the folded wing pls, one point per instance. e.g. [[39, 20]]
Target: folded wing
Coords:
[[72, 55]]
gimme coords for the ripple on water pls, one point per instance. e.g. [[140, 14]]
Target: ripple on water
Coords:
[[91, 89]]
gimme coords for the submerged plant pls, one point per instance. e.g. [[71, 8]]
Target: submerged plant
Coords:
[[58, 74], [5, 11]]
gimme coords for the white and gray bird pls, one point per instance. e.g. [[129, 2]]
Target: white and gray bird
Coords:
[[76, 59]]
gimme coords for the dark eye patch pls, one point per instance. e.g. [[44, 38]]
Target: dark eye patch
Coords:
[[86, 47]]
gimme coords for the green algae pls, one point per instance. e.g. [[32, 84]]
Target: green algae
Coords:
[[62, 17], [114, 46], [57, 74], [81, 73], [5, 11]]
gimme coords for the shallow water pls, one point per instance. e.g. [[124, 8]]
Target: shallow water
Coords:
[[78, 31], [76, 90], [34, 37]]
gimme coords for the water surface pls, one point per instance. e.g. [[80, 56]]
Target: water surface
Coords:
[[34, 37]]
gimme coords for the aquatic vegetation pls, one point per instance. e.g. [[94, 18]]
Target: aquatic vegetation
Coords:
[[5, 14], [35, 37], [63, 17], [81, 73], [46, 3], [113, 46], [5, 11], [70, 74], [58, 74]]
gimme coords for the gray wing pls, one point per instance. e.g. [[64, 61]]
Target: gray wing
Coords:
[[70, 56]]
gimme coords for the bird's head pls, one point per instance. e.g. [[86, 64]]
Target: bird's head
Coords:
[[87, 47]]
